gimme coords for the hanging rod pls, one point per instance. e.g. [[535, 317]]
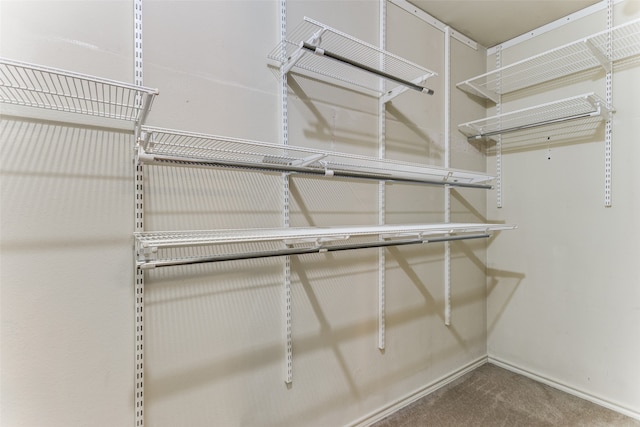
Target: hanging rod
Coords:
[[340, 58], [302, 251], [278, 167], [537, 124]]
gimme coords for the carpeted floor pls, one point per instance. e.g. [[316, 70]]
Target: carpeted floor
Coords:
[[492, 396]]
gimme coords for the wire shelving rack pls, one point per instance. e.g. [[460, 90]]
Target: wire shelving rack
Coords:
[[50, 88], [319, 49], [580, 55], [153, 246], [165, 146], [582, 107]]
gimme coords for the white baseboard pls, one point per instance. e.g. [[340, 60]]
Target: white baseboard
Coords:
[[563, 387], [418, 394]]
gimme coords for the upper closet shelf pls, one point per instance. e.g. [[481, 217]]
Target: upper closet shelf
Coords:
[[164, 146], [293, 241], [574, 57], [318, 48], [582, 107], [54, 89]]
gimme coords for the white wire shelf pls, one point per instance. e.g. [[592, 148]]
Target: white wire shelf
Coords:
[[171, 147], [320, 49], [297, 240], [582, 107], [32, 85], [581, 55]]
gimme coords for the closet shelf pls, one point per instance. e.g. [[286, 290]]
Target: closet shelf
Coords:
[[32, 85], [581, 55], [171, 147], [296, 241], [582, 107], [320, 49]]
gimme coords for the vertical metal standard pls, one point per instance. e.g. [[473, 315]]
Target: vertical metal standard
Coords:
[[609, 100], [138, 227], [285, 198], [499, 138], [447, 165], [381, 184]]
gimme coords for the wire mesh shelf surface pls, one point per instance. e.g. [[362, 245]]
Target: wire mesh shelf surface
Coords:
[[160, 249], [585, 107], [191, 238], [290, 52], [571, 58], [54, 89], [164, 146]]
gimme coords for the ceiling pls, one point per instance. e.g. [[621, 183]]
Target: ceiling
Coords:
[[491, 22]]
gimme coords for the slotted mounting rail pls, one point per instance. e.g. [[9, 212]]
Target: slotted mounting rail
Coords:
[[582, 107], [32, 85], [581, 55], [320, 49], [167, 147], [155, 248]]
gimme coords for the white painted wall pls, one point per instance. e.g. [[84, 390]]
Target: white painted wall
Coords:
[[563, 289], [214, 333]]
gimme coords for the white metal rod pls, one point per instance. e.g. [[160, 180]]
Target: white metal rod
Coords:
[[302, 251], [533, 125], [364, 67]]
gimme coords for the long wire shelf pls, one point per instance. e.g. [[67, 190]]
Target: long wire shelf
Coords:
[[49, 88], [295, 241], [319, 49], [171, 147], [582, 107], [580, 55]]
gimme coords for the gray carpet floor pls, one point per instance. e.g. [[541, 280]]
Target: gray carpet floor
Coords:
[[492, 396]]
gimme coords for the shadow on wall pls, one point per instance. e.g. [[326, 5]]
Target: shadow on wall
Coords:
[[428, 147], [64, 184], [189, 376], [328, 126]]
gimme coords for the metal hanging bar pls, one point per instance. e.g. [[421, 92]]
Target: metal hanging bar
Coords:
[[302, 251], [340, 58], [537, 124]]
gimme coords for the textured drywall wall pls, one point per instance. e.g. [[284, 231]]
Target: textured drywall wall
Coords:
[[563, 288], [214, 337]]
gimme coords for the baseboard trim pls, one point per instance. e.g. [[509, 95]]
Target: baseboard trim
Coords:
[[564, 387], [406, 400]]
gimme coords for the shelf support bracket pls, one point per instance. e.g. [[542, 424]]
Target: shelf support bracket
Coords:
[[480, 91], [600, 57], [300, 51], [399, 90], [309, 160]]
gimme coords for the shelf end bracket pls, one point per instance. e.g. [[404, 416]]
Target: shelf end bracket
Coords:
[[600, 57], [292, 60], [478, 90], [388, 96]]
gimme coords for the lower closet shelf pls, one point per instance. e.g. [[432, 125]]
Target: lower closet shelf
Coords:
[[162, 249]]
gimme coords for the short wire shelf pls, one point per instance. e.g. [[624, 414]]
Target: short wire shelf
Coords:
[[297, 240], [32, 85], [580, 55], [172, 147], [320, 49], [585, 107]]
